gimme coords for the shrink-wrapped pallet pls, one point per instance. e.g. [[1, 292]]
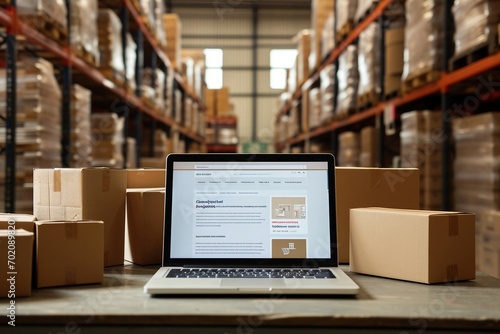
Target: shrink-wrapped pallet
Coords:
[[369, 56], [348, 80], [349, 149], [110, 45], [327, 87], [84, 39], [81, 134], [107, 140]]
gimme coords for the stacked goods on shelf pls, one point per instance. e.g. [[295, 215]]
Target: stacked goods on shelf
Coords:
[[188, 112], [328, 36], [320, 11], [303, 41], [304, 107], [421, 139], [48, 17], [424, 42], [107, 140], [148, 12], [327, 87], [394, 48], [293, 121], [187, 69], [172, 26], [169, 94], [319, 147], [177, 106], [291, 81], [81, 134], [131, 161], [348, 80], [348, 155], [280, 132], [110, 46], [198, 73], [159, 10], [364, 6], [217, 102], [38, 128], [131, 57], [369, 57], [346, 9], [476, 24], [84, 41], [368, 147], [161, 144], [153, 88], [489, 244], [315, 108], [223, 130], [476, 165]]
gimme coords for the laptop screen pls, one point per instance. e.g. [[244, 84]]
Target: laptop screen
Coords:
[[255, 208]]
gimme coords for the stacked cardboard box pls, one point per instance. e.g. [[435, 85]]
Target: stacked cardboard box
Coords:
[[173, 26], [327, 86], [421, 138], [107, 140], [368, 147], [110, 45], [349, 148], [38, 128], [369, 56], [81, 134], [315, 107], [217, 102], [178, 106], [489, 243], [84, 40], [159, 11], [476, 165], [394, 48], [188, 112], [187, 68], [72, 194], [320, 11], [304, 111], [348, 80], [161, 144], [476, 23], [303, 41], [422, 55]]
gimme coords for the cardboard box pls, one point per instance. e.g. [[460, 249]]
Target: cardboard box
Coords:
[[144, 232], [394, 48], [145, 178], [413, 245], [69, 252], [490, 261], [21, 260], [362, 187], [303, 41], [85, 193], [20, 221]]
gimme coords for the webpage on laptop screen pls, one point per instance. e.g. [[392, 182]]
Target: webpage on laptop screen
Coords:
[[250, 210]]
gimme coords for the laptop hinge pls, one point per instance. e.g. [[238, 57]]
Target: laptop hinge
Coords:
[[242, 266]]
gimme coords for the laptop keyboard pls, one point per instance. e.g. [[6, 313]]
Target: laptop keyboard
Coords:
[[250, 273]]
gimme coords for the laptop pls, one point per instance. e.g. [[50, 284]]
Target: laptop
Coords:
[[250, 224]]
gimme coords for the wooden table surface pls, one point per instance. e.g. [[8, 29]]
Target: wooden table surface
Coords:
[[383, 305]]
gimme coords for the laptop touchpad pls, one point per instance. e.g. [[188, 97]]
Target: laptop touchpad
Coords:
[[253, 283]]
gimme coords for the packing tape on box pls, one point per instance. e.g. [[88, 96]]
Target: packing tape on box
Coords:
[[453, 225], [70, 276], [57, 180], [71, 231]]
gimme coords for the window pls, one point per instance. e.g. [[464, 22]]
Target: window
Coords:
[[213, 71], [281, 60]]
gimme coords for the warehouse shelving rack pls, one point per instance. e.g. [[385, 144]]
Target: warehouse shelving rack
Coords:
[[71, 62], [439, 88]]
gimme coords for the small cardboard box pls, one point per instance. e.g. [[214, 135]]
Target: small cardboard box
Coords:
[[413, 245], [145, 178], [364, 187], [144, 232], [394, 48], [16, 263], [19, 221], [85, 193], [69, 252]]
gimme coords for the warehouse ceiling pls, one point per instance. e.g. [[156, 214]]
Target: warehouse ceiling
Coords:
[[280, 4]]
